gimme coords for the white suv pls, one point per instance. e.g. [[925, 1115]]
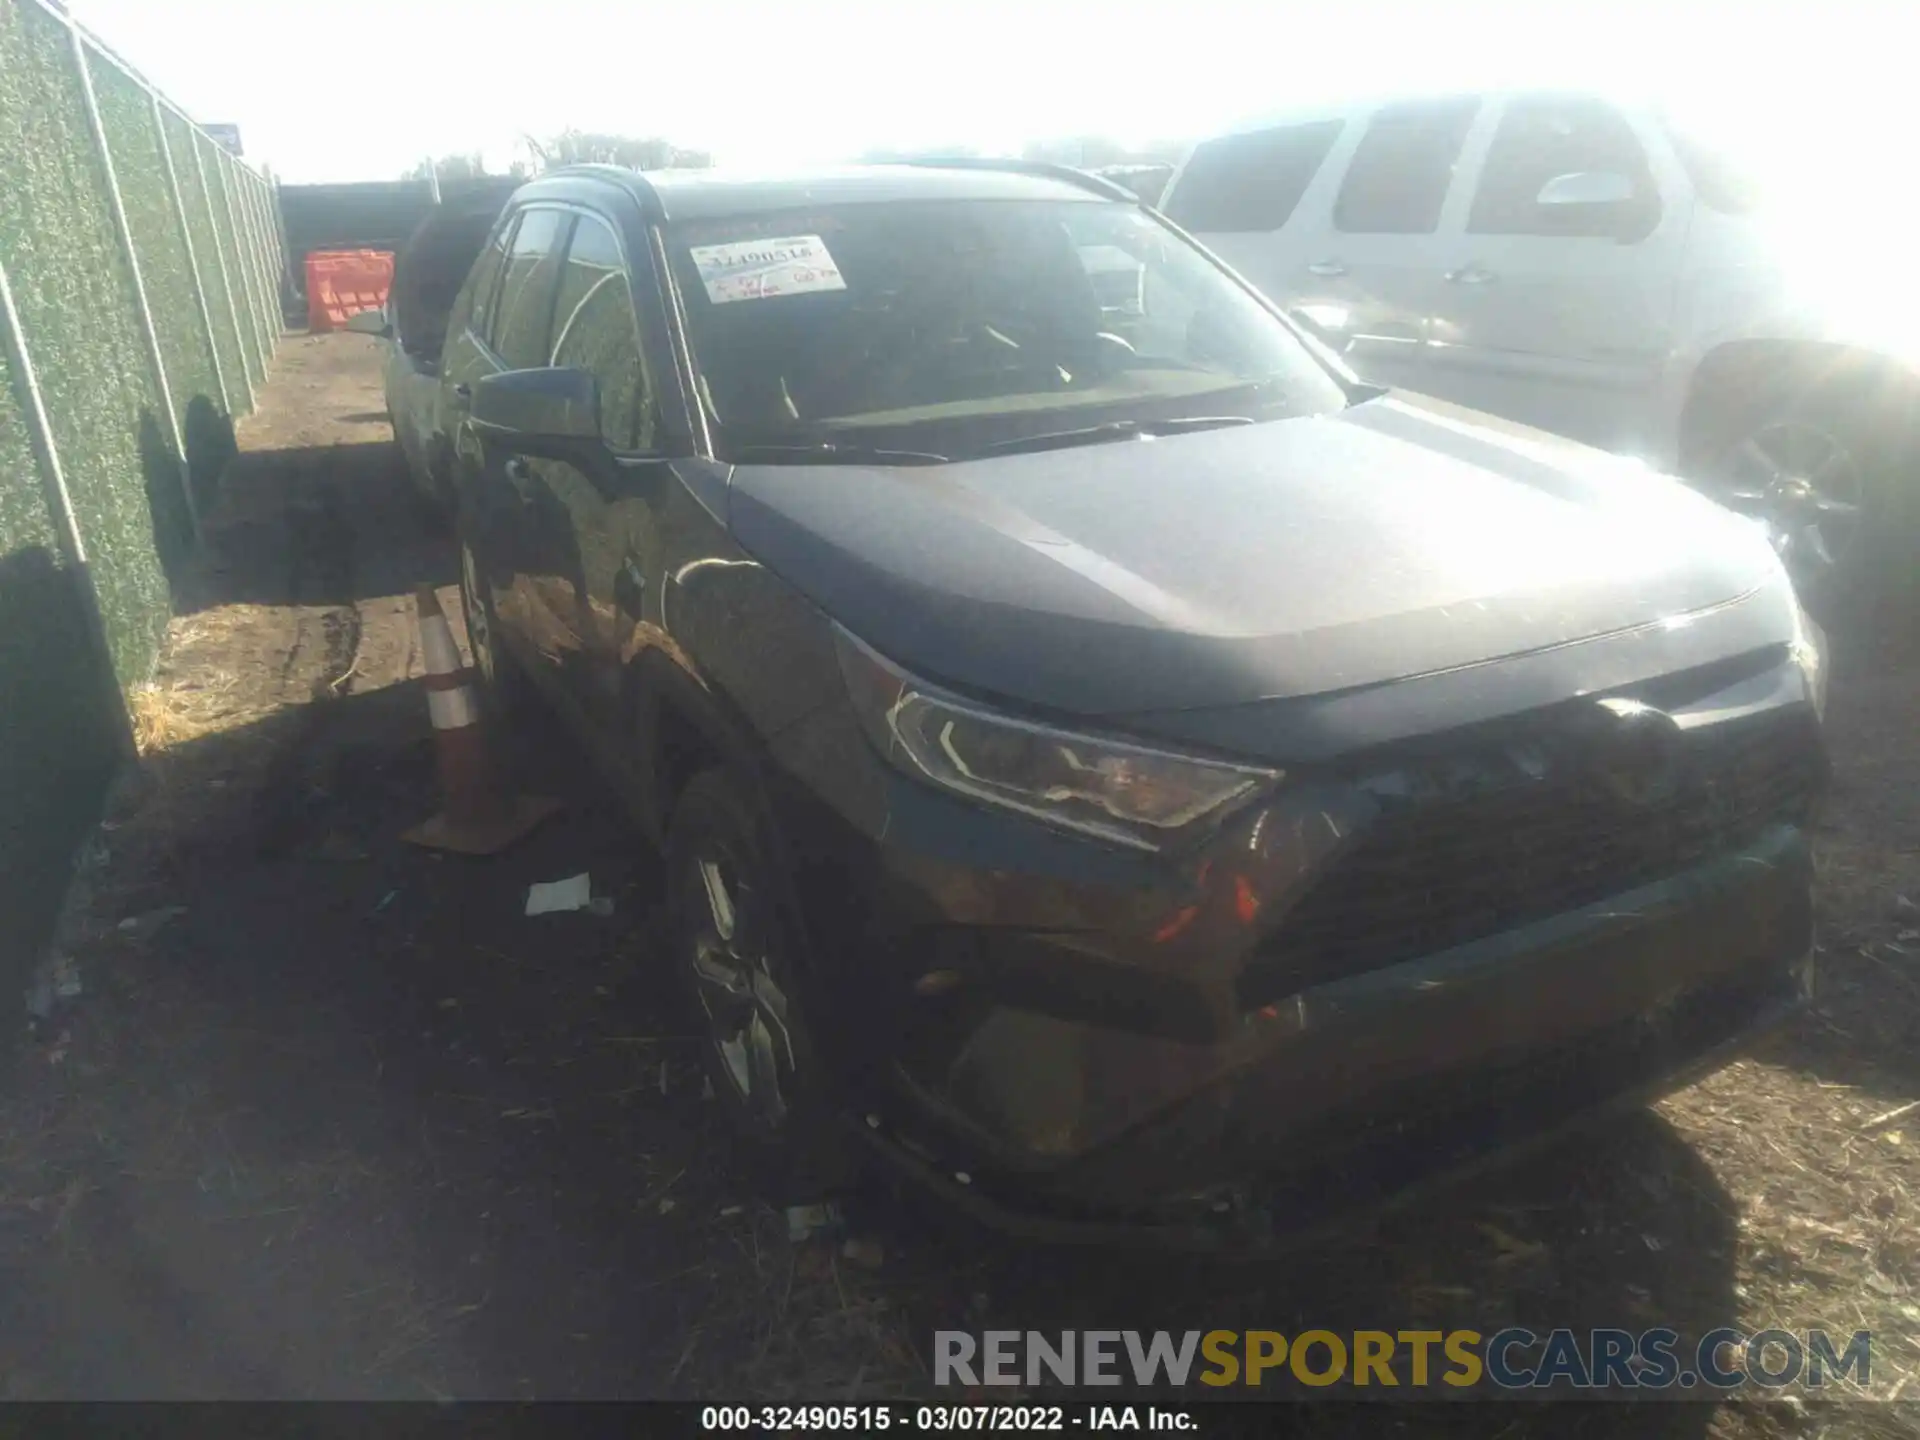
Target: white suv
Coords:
[[1590, 269]]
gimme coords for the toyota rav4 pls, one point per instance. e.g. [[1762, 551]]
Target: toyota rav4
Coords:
[[1111, 763]]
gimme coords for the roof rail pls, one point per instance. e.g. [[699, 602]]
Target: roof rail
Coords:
[[635, 181], [1043, 169]]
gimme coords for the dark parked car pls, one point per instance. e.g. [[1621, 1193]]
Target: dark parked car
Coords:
[[427, 276], [1121, 769]]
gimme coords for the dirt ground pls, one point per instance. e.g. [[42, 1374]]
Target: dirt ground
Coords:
[[331, 1118]]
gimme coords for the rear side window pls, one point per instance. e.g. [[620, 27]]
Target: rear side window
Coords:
[[484, 281], [1403, 168], [430, 273], [593, 329], [1540, 139], [525, 315], [1249, 182]]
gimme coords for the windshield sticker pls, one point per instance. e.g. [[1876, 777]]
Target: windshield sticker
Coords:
[[762, 269]]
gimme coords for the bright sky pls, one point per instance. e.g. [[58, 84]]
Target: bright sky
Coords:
[[361, 89]]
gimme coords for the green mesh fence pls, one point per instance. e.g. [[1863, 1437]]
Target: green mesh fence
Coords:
[[220, 177], [206, 239], [220, 190], [74, 636], [248, 195], [269, 256], [81, 323], [127, 114], [249, 232], [276, 255]]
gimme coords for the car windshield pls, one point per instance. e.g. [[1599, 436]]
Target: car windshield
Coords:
[[954, 327]]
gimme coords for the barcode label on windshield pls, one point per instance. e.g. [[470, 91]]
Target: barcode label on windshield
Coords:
[[763, 269]]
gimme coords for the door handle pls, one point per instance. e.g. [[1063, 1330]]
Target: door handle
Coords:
[[1471, 275], [1328, 268]]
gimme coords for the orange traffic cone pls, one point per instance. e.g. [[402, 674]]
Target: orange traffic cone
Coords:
[[475, 818]]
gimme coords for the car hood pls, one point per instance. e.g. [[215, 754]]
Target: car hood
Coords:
[[1396, 538]]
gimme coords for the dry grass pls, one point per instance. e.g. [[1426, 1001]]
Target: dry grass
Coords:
[[189, 698], [214, 684], [1817, 1138], [794, 1322], [1829, 1207]]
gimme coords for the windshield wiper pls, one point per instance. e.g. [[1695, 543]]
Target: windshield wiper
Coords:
[[1112, 430], [826, 452]]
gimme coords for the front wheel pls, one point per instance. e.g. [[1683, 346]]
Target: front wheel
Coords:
[[733, 954], [500, 679]]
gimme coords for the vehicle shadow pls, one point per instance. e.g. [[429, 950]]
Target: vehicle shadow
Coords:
[[338, 492], [209, 439], [62, 731], [164, 483], [211, 445], [1623, 1226]]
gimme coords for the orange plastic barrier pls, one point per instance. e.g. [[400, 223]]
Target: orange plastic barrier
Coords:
[[343, 282]]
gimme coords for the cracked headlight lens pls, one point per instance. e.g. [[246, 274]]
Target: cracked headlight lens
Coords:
[[1119, 791]]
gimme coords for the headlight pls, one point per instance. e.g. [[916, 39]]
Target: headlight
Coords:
[[1118, 791], [1810, 653]]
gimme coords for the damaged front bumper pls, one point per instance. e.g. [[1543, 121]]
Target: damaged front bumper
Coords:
[[1365, 1091]]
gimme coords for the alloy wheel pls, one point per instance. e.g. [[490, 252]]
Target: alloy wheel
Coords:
[[747, 1012], [1807, 486]]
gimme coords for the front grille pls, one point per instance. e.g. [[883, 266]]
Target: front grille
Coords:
[[1470, 844]]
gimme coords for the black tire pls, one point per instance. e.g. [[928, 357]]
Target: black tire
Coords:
[[429, 511], [1868, 582], [741, 983], [509, 695]]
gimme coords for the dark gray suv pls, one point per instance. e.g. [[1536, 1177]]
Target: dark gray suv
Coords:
[[1111, 763]]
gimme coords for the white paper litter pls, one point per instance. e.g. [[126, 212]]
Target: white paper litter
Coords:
[[805, 1221], [573, 893]]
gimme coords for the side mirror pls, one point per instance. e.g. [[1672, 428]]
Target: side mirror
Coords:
[[370, 322], [553, 411], [1587, 189]]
